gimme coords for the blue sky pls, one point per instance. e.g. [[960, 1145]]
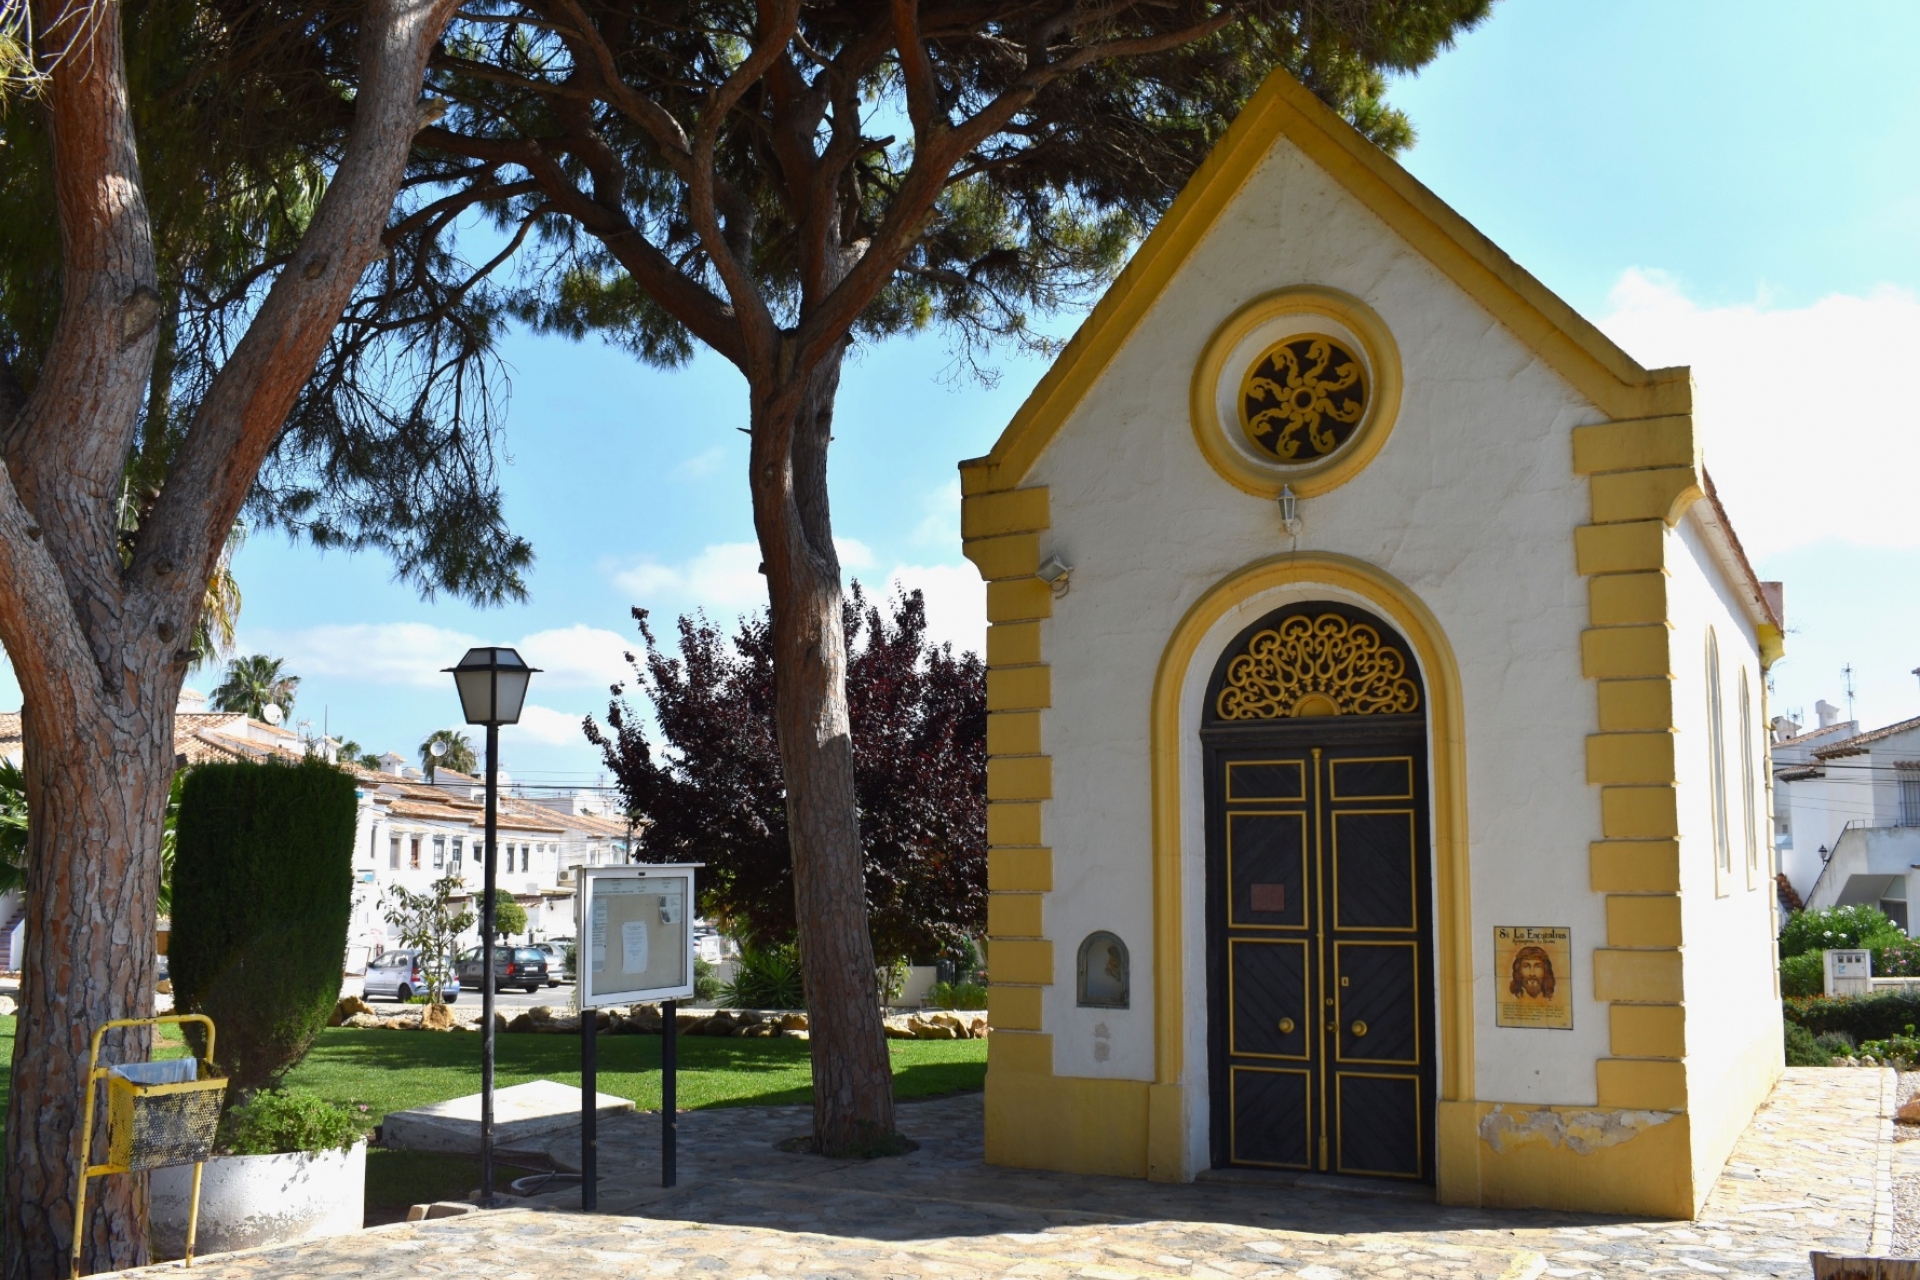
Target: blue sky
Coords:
[[1726, 185]]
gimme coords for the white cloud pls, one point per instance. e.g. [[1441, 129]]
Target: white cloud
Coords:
[[940, 526], [1809, 416], [702, 465], [724, 578], [854, 554], [956, 602], [414, 653], [555, 728]]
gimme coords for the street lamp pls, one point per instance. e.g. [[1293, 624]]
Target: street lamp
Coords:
[[493, 686]]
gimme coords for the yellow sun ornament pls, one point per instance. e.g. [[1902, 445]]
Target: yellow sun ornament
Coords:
[[1303, 398]]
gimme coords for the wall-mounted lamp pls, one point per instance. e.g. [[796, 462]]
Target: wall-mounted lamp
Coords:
[[1289, 511], [1056, 573]]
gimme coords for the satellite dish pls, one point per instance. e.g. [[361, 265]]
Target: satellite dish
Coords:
[[439, 748], [272, 713]]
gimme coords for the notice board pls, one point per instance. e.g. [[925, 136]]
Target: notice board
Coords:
[[636, 934]]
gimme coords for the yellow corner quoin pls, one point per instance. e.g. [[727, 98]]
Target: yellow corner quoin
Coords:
[[1649, 920], [1647, 1030], [1634, 866], [987, 515], [1612, 653], [1647, 444], [1019, 778], [1013, 1008], [1639, 813], [1013, 555], [1009, 823], [1663, 495], [1014, 915], [1021, 961], [1018, 599], [1637, 545], [1017, 870], [1013, 733], [1018, 688], [1623, 599], [1630, 705], [1630, 758], [1012, 644], [1637, 977]]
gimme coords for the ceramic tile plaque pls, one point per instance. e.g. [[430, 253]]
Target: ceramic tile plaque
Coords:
[[1533, 965]]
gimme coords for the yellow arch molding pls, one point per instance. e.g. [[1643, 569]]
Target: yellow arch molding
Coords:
[[1452, 898]]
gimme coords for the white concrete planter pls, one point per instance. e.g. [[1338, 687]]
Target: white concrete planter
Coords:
[[255, 1200]]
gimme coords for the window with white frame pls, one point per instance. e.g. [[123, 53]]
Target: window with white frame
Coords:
[[393, 852], [1908, 772], [457, 842], [1717, 769], [439, 853], [1749, 828]]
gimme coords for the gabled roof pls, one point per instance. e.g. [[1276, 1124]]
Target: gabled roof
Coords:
[[1858, 744], [1283, 108], [1811, 734]]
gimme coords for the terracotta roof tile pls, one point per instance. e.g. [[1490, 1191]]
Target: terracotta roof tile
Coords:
[[1857, 745]]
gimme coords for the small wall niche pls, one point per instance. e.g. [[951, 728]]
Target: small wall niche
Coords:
[[1105, 978]]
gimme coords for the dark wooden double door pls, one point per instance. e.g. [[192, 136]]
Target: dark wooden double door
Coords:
[[1319, 945]]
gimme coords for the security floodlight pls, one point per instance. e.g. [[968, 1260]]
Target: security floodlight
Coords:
[[1056, 573], [493, 685]]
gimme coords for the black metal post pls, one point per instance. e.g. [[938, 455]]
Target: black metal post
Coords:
[[669, 1106], [589, 1111], [486, 964]]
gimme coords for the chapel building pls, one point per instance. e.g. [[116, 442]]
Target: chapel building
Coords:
[[1376, 688]]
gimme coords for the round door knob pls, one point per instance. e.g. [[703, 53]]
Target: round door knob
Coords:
[[1286, 1026], [1359, 1028]]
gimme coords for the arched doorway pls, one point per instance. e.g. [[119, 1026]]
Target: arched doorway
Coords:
[[1320, 966]]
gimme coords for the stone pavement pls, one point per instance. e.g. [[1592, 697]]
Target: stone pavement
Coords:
[[1812, 1171]]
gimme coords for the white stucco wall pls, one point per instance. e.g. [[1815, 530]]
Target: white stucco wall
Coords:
[[1471, 504], [1733, 1011]]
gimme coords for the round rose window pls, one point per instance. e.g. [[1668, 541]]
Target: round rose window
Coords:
[[1303, 398]]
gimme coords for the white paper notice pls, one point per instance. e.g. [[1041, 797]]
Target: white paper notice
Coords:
[[598, 937], [633, 946]]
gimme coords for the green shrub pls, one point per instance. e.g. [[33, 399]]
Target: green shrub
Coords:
[[1876, 1017], [1801, 1049], [766, 978], [509, 917], [1803, 975], [1898, 960], [958, 995], [1839, 927], [706, 983], [1903, 1049], [262, 895], [291, 1120]]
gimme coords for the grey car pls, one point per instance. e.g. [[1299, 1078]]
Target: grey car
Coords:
[[396, 975]]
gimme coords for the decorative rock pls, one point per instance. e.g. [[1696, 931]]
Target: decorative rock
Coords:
[[348, 1007], [437, 1017], [929, 1029], [1909, 1112], [899, 1027], [520, 1022], [797, 1035], [6, 1006], [365, 1020], [793, 1022], [440, 1209]]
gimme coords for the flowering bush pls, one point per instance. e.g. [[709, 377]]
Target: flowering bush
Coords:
[[1832, 928]]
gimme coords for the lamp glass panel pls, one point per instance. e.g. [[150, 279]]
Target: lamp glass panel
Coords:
[[513, 693], [476, 693]]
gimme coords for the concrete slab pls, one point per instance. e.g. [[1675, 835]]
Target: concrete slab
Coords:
[[525, 1117]]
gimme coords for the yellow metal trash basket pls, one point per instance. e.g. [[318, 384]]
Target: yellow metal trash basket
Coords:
[[158, 1114]]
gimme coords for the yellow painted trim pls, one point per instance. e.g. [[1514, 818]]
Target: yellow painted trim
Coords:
[[1403, 610], [1019, 1052], [1009, 823], [1069, 1123], [1642, 1084], [1629, 705], [1282, 108], [1015, 870], [1639, 813], [1013, 555], [1773, 646], [1613, 653], [1013, 1008], [1021, 961], [1019, 688], [1637, 977], [1623, 599], [1633, 759], [984, 515], [1630, 1162], [1643, 920], [1647, 1030], [1634, 866], [1641, 445], [1663, 494], [1019, 778], [1636, 546], [1014, 915], [1216, 439], [1017, 599], [1013, 644], [1013, 733]]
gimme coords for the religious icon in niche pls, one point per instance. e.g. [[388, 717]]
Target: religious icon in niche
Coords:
[[1303, 398], [1104, 979], [1535, 967]]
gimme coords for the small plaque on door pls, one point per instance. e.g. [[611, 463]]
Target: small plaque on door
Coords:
[[1269, 897]]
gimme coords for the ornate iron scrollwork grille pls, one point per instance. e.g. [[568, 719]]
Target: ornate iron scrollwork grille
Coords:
[[1303, 398], [1326, 658]]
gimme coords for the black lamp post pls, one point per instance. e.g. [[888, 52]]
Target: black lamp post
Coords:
[[493, 687]]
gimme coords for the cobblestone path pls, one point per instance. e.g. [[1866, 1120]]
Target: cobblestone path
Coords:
[[1812, 1171]]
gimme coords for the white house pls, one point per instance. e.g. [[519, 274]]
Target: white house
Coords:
[[1862, 790]]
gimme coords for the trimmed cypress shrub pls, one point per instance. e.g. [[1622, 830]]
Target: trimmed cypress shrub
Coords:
[[262, 897], [1880, 1016]]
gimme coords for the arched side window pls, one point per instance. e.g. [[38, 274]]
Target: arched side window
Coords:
[[1105, 976], [1749, 827], [1717, 770]]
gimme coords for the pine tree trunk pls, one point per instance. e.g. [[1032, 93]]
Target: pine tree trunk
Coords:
[[98, 802], [852, 1079]]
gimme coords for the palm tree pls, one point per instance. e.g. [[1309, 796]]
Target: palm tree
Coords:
[[252, 684], [458, 755]]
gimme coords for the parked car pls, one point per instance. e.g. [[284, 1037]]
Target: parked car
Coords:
[[523, 967], [556, 960], [396, 975]]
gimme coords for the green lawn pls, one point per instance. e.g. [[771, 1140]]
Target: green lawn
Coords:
[[394, 1070]]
